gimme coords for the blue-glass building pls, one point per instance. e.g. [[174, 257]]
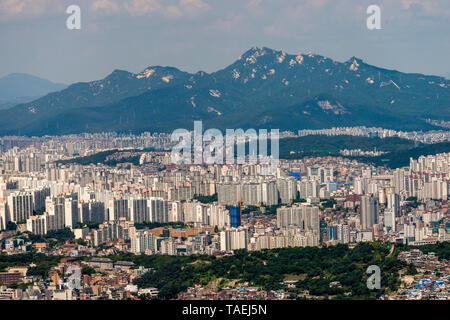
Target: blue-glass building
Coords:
[[295, 174], [235, 216]]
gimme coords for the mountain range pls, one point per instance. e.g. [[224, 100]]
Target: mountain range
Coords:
[[264, 88], [17, 88]]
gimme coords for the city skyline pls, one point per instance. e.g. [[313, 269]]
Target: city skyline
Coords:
[[224, 150], [111, 204]]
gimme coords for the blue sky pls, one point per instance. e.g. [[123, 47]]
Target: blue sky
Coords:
[[208, 35]]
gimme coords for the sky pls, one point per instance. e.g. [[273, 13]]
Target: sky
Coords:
[[208, 35]]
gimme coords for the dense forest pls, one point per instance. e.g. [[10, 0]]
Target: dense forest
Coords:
[[441, 249], [43, 262], [100, 157], [398, 159], [95, 158], [330, 144], [399, 151], [314, 268], [58, 236]]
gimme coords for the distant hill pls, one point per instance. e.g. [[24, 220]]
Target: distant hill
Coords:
[[264, 88], [400, 158], [19, 88], [332, 144], [399, 151]]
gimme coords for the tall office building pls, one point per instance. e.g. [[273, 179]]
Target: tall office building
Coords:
[[143, 242], [301, 215], [218, 216], [195, 212], [394, 203], [138, 210], [118, 208], [382, 196], [83, 211], [113, 230], [290, 216], [37, 224], [39, 197], [308, 189], [55, 209], [235, 216], [3, 217], [389, 219], [176, 212], [97, 211], [233, 239], [287, 189], [158, 210], [369, 212], [20, 206], [71, 212], [399, 180], [343, 233], [269, 193]]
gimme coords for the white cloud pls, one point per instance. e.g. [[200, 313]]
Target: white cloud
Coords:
[[105, 6], [165, 8], [17, 9], [142, 7], [192, 7], [406, 4], [427, 7], [286, 11], [11, 9]]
